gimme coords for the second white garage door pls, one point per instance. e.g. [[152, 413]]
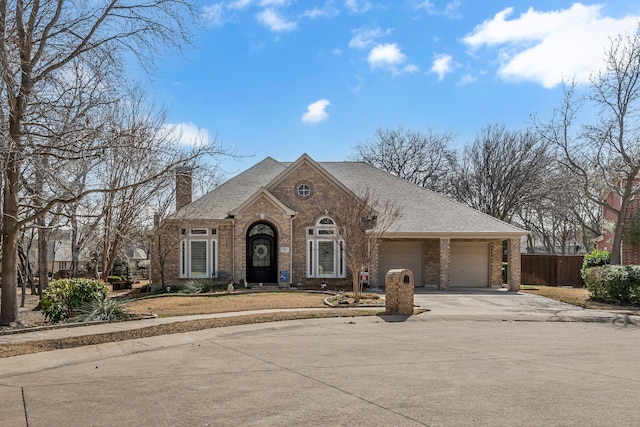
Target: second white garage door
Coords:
[[470, 264], [403, 254]]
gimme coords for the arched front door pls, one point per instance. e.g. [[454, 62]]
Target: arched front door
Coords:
[[262, 259]]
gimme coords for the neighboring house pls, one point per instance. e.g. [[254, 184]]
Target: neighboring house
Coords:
[[269, 224], [630, 254], [138, 258], [59, 257]]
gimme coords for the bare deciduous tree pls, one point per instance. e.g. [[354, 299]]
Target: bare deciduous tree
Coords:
[[422, 158], [604, 154], [41, 42], [362, 221], [501, 171]]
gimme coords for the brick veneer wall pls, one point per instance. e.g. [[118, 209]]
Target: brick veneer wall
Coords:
[[325, 197], [496, 262], [399, 296], [514, 279], [431, 262], [262, 210], [170, 234], [445, 264], [631, 254]]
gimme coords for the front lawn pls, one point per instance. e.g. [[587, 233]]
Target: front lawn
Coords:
[[576, 296]]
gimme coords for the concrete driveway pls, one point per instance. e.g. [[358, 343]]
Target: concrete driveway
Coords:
[[440, 368], [500, 304]]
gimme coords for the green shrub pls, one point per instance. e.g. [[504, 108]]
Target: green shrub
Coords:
[[64, 295], [594, 258], [101, 309], [112, 279], [618, 284]]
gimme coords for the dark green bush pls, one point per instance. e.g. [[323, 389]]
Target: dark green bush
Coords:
[[594, 258], [618, 284], [64, 295], [112, 279]]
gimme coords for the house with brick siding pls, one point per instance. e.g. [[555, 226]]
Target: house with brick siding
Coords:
[[271, 224], [629, 253]]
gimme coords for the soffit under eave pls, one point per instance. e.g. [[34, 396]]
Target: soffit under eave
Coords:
[[468, 235], [273, 199]]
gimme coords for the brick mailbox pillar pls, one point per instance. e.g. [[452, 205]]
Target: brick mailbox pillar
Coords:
[[399, 291]]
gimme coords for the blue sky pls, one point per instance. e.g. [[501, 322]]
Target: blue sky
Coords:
[[282, 77]]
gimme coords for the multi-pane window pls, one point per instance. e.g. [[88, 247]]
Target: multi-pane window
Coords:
[[325, 257], [198, 254]]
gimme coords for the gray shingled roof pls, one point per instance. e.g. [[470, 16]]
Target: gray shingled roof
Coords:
[[222, 200], [424, 212]]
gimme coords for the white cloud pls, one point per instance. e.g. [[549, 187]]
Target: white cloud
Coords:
[[316, 112], [467, 79], [389, 56], [214, 13], [357, 6], [442, 65], [239, 4], [326, 11], [364, 38], [276, 3], [547, 47], [358, 86], [450, 9], [188, 134], [385, 55], [274, 22]]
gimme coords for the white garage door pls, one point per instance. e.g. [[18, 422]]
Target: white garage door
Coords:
[[404, 254], [470, 264]]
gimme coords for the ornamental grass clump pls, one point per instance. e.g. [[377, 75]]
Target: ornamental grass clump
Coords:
[[63, 296], [101, 309]]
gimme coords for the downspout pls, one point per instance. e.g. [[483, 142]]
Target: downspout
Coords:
[[291, 251], [233, 249]]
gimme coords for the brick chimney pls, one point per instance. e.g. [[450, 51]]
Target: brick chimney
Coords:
[[184, 186]]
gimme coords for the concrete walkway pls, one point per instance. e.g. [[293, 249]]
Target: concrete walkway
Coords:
[[476, 359]]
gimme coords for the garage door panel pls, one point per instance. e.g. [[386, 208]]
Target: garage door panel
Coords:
[[394, 255], [470, 264]]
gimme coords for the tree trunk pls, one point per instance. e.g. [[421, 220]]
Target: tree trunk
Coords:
[[625, 198], [75, 247], [616, 249], [9, 306], [43, 277], [355, 277]]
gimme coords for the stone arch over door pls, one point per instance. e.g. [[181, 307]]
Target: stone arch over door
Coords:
[[262, 253]]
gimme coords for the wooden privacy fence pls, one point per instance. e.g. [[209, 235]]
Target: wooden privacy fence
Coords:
[[552, 270]]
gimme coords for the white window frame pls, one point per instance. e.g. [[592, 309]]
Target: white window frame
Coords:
[[185, 256], [214, 257], [318, 234], [206, 259], [199, 232]]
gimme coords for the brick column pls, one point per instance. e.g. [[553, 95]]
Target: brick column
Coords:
[[373, 268], [445, 264], [496, 263], [513, 261], [399, 289]]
